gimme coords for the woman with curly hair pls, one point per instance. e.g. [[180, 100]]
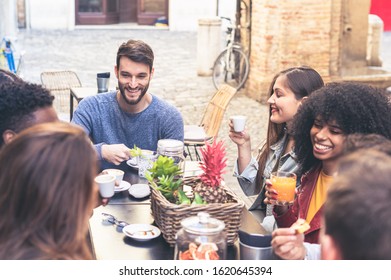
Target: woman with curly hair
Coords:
[[287, 91], [319, 130], [47, 193]]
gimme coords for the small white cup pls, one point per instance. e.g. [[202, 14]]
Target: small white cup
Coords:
[[118, 173], [239, 123], [106, 184]]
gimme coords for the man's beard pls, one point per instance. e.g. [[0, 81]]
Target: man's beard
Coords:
[[131, 102]]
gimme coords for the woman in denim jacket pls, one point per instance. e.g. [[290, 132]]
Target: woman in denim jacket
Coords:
[[287, 91]]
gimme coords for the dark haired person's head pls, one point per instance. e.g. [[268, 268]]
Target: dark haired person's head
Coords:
[[134, 71], [137, 51], [23, 105], [357, 223], [352, 107], [356, 141], [301, 80], [47, 193], [287, 90]]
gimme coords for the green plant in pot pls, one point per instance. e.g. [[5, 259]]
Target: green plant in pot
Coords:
[[165, 176]]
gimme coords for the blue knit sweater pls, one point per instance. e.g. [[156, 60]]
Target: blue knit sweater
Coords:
[[105, 123]]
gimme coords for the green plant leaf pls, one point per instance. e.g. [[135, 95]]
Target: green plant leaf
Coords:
[[135, 152]]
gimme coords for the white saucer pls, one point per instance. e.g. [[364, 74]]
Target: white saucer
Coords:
[[141, 232], [139, 190], [122, 187], [132, 163]]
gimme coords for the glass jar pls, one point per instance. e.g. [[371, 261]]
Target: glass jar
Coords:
[[201, 238], [172, 148]]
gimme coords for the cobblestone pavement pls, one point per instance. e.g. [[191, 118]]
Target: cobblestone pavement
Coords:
[[88, 52]]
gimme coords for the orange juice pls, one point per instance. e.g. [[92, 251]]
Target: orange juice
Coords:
[[285, 184]]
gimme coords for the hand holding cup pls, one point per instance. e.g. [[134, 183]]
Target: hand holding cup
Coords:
[[106, 184], [239, 123]]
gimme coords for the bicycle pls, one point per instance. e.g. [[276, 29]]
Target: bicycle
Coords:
[[232, 64]]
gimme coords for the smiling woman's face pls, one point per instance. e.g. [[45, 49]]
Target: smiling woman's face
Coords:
[[283, 103], [327, 139]]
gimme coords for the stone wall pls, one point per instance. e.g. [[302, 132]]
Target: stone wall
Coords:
[[291, 33]]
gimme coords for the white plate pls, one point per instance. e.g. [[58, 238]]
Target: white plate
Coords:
[[132, 163], [139, 190], [141, 232], [122, 187]]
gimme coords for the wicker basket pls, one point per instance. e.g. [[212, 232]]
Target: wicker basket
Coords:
[[168, 216]]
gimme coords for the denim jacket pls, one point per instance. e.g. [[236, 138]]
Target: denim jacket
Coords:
[[247, 178]]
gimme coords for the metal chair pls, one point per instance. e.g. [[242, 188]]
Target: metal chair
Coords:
[[59, 83], [208, 129]]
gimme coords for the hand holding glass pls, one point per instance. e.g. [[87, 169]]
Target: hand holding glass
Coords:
[[285, 185]]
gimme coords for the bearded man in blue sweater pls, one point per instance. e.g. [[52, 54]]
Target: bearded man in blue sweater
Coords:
[[118, 120]]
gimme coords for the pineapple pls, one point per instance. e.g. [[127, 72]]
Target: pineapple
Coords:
[[213, 164]]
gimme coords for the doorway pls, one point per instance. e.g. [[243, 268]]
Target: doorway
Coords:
[[101, 12], [127, 11]]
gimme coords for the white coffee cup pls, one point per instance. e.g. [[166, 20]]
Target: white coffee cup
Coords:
[[106, 184], [239, 123], [118, 173]]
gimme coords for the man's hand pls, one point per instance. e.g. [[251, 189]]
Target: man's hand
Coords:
[[115, 153]]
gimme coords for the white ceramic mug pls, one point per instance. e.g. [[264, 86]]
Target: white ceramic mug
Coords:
[[239, 123], [106, 184], [118, 173]]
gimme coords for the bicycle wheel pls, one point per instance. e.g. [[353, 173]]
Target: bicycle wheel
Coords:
[[231, 67]]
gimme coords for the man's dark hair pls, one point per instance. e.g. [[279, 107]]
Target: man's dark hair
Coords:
[[356, 212], [18, 102], [137, 51]]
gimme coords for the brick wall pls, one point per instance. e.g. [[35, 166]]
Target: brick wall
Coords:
[[286, 33]]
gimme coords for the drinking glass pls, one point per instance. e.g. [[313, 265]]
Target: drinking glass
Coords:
[[285, 185], [145, 162]]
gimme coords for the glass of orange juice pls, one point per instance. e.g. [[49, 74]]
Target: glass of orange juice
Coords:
[[285, 184]]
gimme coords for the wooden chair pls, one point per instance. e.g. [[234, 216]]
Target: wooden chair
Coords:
[[59, 83], [208, 129]]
